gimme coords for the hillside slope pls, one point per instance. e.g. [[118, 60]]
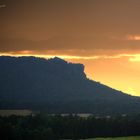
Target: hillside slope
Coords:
[[57, 86]]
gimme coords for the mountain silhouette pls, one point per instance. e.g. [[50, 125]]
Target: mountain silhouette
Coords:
[[57, 86]]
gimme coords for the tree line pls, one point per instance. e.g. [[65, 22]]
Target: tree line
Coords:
[[57, 127]]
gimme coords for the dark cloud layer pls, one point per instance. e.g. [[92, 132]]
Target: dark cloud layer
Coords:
[[65, 25]]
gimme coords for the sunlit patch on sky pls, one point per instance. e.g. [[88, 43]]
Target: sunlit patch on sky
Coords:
[[131, 57], [130, 91], [133, 37], [135, 58]]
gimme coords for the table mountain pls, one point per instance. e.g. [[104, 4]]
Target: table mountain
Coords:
[[57, 86]]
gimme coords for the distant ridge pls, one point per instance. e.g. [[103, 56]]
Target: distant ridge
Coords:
[[56, 86]]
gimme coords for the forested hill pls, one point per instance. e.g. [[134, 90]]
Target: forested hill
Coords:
[[57, 86]]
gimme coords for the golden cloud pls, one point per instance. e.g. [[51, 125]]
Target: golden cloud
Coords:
[[131, 57], [133, 37]]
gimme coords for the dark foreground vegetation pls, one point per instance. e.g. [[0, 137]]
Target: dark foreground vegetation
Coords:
[[48, 127]]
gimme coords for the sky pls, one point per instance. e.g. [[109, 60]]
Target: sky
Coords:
[[104, 35]]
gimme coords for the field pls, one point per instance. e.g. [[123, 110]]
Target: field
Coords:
[[119, 138], [23, 112]]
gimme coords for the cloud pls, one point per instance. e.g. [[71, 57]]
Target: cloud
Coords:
[[130, 57], [73, 27], [2, 5], [133, 37], [135, 58], [85, 44]]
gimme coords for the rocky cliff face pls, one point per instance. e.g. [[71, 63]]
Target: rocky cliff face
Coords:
[[30, 77], [61, 66]]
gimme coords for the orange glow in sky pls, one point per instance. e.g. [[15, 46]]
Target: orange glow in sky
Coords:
[[119, 72], [133, 37], [104, 35]]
